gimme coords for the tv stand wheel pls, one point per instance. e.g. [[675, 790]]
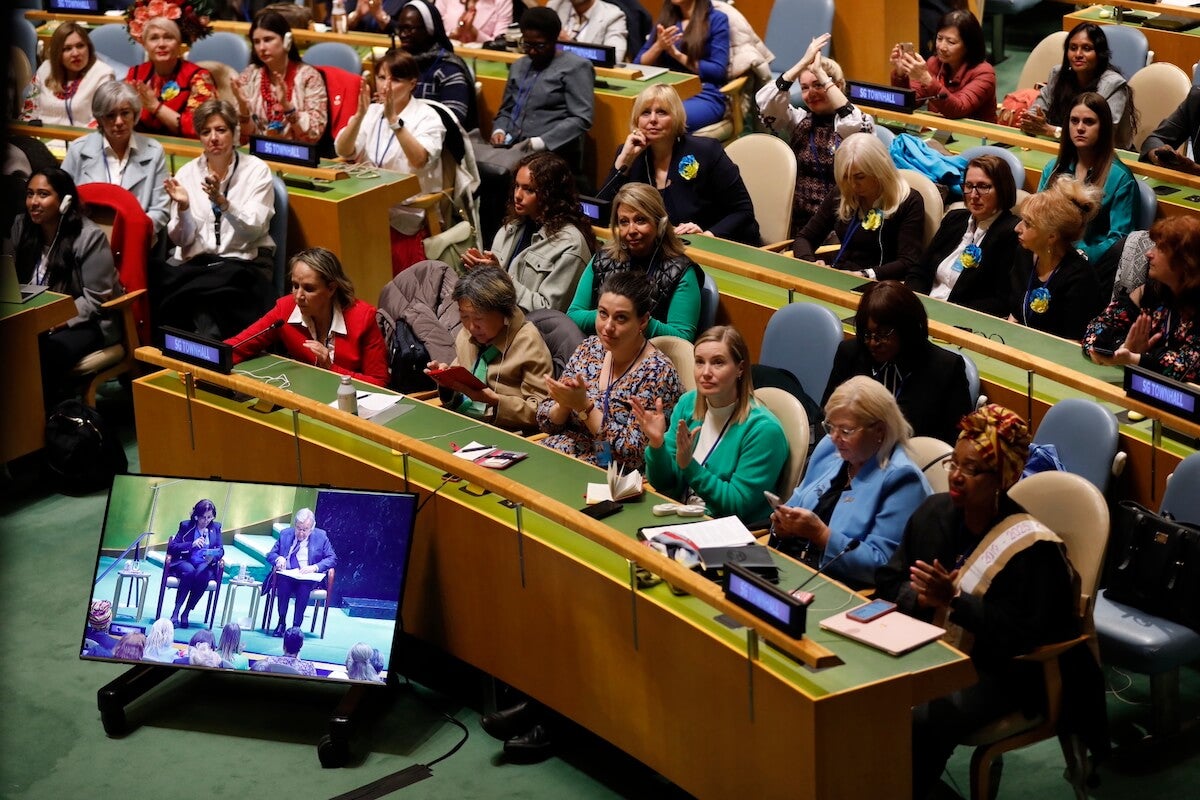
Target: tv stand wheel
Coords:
[[333, 754]]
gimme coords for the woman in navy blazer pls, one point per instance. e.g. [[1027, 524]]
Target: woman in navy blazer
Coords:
[[860, 486], [196, 554], [115, 154]]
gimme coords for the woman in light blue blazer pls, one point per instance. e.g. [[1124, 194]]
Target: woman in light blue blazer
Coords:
[[115, 154], [860, 486]]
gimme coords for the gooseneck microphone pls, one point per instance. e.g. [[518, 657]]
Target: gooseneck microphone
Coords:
[[806, 597], [273, 326]]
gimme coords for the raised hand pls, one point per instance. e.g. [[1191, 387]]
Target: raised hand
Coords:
[[177, 193], [652, 421]]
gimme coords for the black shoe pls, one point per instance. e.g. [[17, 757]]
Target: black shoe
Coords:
[[183, 622], [531, 747], [278, 632], [175, 619], [510, 722]]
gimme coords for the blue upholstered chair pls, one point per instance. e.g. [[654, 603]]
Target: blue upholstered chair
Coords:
[[1147, 206], [802, 338], [973, 385], [709, 298], [1130, 50], [1138, 641], [334, 54], [793, 24], [224, 46], [1085, 435], [24, 37], [1014, 164], [279, 233], [114, 46]]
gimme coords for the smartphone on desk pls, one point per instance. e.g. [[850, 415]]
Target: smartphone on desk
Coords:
[[871, 611]]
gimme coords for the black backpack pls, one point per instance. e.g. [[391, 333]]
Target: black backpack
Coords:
[[83, 451], [408, 359]]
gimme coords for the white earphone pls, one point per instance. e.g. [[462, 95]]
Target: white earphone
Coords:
[[287, 41], [65, 204]]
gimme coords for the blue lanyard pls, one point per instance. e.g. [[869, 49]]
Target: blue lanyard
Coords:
[[850, 231], [611, 381], [523, 92], [379, 132]]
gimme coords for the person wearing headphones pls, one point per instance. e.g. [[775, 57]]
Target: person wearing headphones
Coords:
[[57, 247], [501, 348], [278, 95], [644, 240]]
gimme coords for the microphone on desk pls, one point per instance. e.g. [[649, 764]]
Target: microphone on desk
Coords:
[[807, 597], [273, 326]]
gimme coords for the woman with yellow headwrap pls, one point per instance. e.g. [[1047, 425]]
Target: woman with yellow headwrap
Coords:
[[999, 581]]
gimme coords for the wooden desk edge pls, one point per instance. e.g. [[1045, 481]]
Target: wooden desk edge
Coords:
[[1059, 373], [804, 650], [1133, 5]]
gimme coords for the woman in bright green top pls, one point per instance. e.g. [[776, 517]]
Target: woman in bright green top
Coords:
[[1087, 152], [644, 239], [721, 448]]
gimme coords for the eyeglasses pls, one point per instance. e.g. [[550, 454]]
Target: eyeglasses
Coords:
[[878, 336], [966, 470], [845, 433], [537, 47], [977, 188]]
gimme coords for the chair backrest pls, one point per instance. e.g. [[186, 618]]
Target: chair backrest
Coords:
[[768, 168], [1014, 164], [934, 208], [802, 338], [130, 233], [1085, 435], [224, 46], [928, 454], [1158, 89], [334, 54], [282, 669], [973, 385], [885, 135], [561, 335], [682, 355], [1147, 206], [790, 413], [710, 298], [113, 42], [1130, 50], [1046, 53], [1182, 497], [279, 234], [24, 36], [792, 25], [1196, 74], [1074, 509]]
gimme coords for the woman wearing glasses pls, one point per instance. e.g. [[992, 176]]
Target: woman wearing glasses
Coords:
[[968, 261], [860, 486], [1024, 599], [891, 345]]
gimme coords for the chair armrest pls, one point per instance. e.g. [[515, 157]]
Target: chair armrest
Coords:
[[1048, 652], [123, 300], [425, 396], [426, 200], [734, 86], [778, 247], [826, 249], [537, 437]]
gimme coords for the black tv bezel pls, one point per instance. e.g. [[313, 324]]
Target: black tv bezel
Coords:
[[397, 628]]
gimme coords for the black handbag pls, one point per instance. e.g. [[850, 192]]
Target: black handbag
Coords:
[[1156, 565]]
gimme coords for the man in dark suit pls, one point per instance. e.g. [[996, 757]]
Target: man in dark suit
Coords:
[[303, 547]]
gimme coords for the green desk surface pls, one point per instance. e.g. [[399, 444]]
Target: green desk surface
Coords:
[[44, 299], [1092, 14], [563, 478]]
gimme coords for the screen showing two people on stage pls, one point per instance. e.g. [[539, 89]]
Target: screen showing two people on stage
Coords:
[[264, 578]]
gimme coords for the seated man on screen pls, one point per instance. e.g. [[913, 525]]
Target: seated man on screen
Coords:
[[302, 548], [293, 640], [1163, 147]]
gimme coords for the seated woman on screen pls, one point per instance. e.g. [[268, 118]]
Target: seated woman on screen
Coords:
[[644, 240], [815, 130], [877, 218], [196, 552], [220, 278], [1086, 151], [720, 447], [1155, 326], [1028, 595], [860, 485], [502, 349], [320, 322], [56, 246], [701, 187], [969, 258], [957, 81], [891, 344], [279, 95], [589, 414], [1053, 287]]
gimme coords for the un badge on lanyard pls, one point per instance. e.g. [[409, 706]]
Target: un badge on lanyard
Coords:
[[604, 454]]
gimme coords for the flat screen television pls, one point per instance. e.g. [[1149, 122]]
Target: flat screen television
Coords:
[[347, 550]]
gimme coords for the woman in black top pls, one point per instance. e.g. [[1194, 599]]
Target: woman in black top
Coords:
[[1054, 288]]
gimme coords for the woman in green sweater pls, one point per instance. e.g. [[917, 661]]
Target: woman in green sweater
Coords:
[[644, 240], [721, 448]]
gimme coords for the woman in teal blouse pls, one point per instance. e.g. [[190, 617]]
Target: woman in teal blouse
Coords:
[[721, 447], [644, 240], [1087, 152]]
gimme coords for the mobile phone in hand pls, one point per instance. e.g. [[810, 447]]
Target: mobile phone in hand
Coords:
[[772, 500]]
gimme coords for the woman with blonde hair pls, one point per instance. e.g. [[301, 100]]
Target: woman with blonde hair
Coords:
[[721, 448], [701, 187], [61, 90], [814, 130], [160, 642], [644, 240], [170, 87], [860, 486], [877, 218], [1054, 288]]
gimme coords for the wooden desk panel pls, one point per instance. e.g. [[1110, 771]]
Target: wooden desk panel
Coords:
[[22, 414]]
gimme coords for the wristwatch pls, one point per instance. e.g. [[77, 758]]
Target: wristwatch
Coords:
[[397, 125], [783, 85], [582, 416]]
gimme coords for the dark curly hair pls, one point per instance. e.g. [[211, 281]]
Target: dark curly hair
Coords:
[[557, 195]]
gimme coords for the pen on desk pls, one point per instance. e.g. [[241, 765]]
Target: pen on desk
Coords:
[[363, 395]]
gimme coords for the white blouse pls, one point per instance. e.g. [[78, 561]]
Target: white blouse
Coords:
[[250, 191]]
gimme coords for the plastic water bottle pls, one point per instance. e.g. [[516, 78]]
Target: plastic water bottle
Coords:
[[347, 396], [338, 16]]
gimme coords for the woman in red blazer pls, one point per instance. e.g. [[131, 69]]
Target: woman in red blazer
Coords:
[[320, 322], [956, 80]]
